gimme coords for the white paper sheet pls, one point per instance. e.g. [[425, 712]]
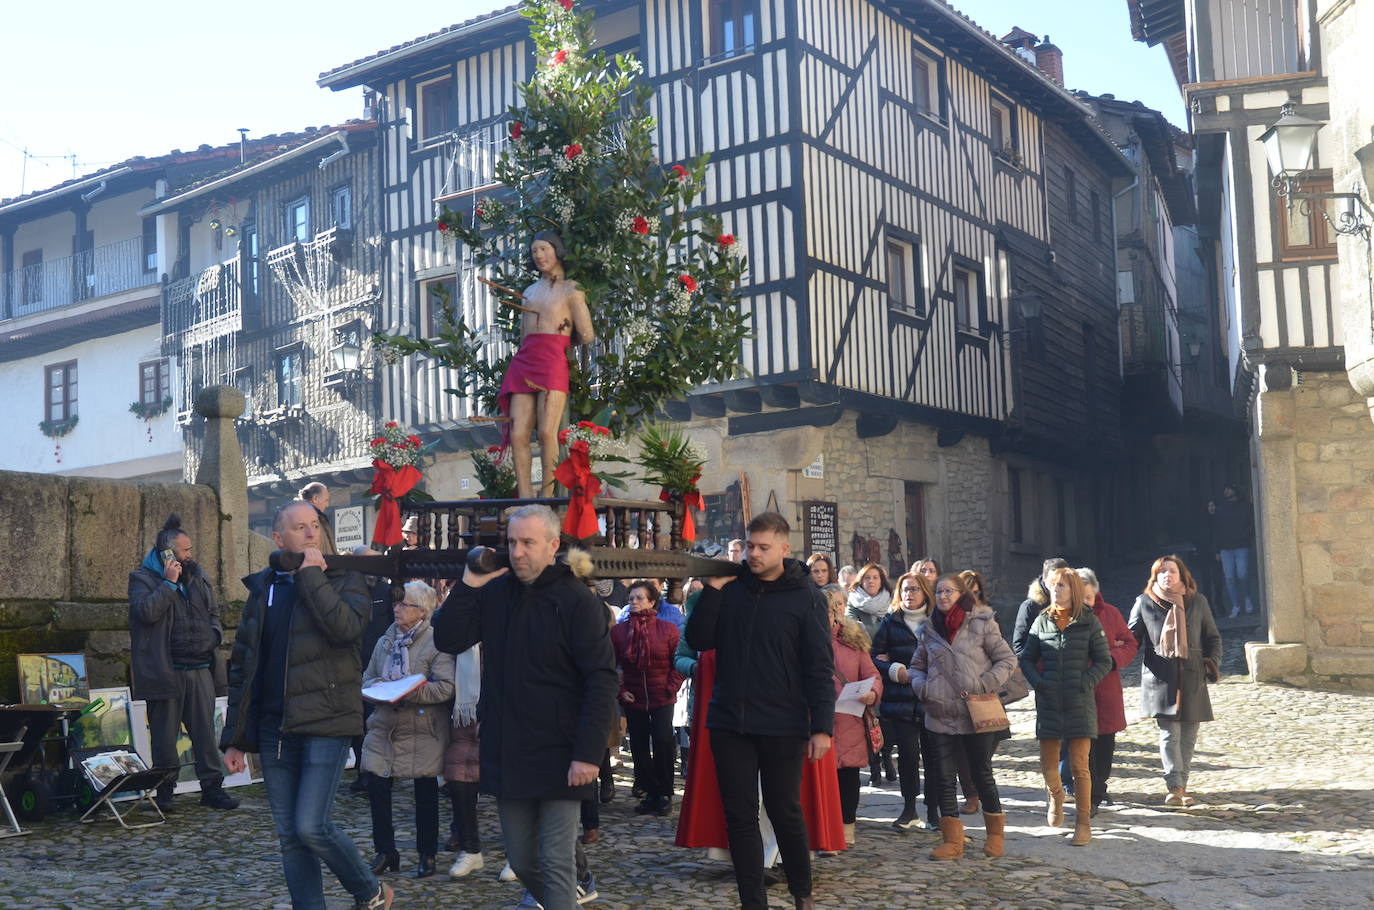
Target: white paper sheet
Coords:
[[847, 702], [395, 689]]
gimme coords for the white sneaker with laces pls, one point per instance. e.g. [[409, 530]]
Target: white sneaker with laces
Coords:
[[465, 865]]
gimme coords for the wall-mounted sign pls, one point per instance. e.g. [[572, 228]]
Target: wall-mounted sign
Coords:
[[820, 527], [350, 529], [815, 470]]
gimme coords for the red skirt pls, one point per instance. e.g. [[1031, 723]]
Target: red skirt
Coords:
[[701, 820]]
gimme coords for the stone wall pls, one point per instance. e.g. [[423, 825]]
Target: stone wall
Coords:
[[1317, 530]]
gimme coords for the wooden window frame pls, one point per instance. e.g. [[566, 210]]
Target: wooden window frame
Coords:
[[162, 381], [150, 244], [934, 108], [342, 191], [423, 133], [427, 305], [293, 233], [67, 370], [979, 302], [915, 283], [734, 14], [1324, 248], [295, 353], [1010, 149]]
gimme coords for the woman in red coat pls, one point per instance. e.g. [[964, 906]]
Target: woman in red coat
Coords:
[[1111, 709], [852, 664], [644, 649]]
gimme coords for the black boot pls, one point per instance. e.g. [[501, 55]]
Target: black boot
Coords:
[[164, 798], [212, 794], [425, 868], [389, 861], [607, 788]]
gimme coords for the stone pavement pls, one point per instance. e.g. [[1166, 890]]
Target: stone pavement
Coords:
[[1287, 777]]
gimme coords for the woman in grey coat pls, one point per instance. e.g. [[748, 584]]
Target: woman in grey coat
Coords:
[[1180, 651], [406, 739], [960, 651]]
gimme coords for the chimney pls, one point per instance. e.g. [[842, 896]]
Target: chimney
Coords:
[[1049, 60]]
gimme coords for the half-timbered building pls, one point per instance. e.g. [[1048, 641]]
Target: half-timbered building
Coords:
[[886, 167], [1240, 63], [273, 289]]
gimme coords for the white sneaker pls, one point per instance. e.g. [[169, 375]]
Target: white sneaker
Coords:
[[507, 874], [466, 864]]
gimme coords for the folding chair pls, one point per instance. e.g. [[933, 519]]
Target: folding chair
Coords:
[[7, 751], [145, 783]]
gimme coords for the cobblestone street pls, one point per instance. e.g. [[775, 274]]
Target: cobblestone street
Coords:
[[1287, 777]]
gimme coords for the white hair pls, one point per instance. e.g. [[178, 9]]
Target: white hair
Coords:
[[543, 513], [1089, 577], [423, 596]]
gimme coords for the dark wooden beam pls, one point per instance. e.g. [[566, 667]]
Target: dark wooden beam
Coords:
[[818, 393], [677, 410], [744, 401], [780, 396], [871, 426], [947, 436], [706, 405], [822, 416]]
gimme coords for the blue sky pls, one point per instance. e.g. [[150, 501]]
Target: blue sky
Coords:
[[106, 83]]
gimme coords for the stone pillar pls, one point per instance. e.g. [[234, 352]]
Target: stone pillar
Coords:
[[1282, 577], [221, 468]]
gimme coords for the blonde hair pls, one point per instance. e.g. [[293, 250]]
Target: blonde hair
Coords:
[[850, 633], [1075, 584]]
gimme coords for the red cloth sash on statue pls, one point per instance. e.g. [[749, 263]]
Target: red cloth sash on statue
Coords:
[[690, 501], [701, 820], [575, 473], [390, 483], [541, 365]]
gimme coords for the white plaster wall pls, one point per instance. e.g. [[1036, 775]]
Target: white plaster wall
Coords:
[[106, 435]]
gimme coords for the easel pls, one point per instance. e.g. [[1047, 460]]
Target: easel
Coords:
[[7, 751], [145, 783]]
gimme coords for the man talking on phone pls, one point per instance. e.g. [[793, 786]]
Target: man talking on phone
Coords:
[[773, 705], [174, 628]]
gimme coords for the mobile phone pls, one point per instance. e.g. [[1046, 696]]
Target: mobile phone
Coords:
[[167, 556]]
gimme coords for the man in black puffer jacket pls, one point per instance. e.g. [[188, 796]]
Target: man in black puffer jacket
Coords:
[[774, 701], [295, 697]]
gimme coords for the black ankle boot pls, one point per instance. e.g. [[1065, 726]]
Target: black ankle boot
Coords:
[[386, 862], [425, 868]]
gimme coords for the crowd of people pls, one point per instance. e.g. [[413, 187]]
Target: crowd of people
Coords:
[[777, 687]]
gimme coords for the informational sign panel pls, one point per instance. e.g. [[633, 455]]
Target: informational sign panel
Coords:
[[350, 530], [815, 470], [821, 527]]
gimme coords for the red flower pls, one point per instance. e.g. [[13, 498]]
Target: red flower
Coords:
[[602, 431], [560, 58], [414, 440], [580, 446], [586, 424], [688, 282], [442, 225], [398, 445], [679, 172], [726, 240], [516, 129], [563, 437], [379, 441], [641, 225], [566, 4], [392, 425], [572, 151]]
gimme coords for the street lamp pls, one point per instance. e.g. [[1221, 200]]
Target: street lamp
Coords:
[[347, 353], [1290, 145]]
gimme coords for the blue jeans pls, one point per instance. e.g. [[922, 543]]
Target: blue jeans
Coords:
[[1235, 568], [301, 774], [541, 846]]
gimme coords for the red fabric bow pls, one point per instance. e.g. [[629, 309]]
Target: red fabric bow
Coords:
[[690, 500], [389, 483], [575, 473]]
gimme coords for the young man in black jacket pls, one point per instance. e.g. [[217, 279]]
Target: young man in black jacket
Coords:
[[548, 699], [774, 701]]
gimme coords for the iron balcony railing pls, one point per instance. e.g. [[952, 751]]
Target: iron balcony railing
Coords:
[[87, 275]]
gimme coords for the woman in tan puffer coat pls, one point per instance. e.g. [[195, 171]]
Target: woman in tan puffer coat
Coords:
[[406, 739]]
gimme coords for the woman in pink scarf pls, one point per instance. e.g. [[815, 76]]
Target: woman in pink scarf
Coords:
[[1180, 651]]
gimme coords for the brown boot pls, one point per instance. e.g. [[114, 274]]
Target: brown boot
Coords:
[[997, 827], [805, 903], [1082, 818], [1054, 809], [952, 829]]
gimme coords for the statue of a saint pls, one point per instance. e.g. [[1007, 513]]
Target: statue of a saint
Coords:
[[534, 390]]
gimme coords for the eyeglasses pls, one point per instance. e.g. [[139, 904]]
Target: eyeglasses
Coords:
[[406, 603]]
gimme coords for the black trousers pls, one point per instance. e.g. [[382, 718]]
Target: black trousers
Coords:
[[194, 706], [849, 793], [463, 796], [978, 749], [653, 748], [745, 764], [913, 749], [426, 814]]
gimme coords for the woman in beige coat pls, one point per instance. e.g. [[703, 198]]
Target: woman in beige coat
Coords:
[[406, 739]]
